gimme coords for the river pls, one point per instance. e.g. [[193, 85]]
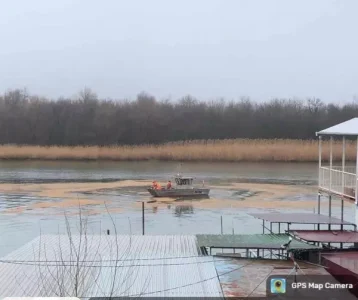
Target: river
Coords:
[[36, 197]]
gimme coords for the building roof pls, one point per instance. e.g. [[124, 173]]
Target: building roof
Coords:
[[300, 218], [248, 277], [349, 127], [326, 236], [250, 241], [345, 260], [163, 266]]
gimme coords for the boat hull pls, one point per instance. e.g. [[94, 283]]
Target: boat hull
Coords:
[[179, 192]]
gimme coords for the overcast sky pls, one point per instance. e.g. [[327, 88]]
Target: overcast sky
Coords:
[[171, 48]]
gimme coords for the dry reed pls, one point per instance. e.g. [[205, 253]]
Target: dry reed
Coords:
[[240, 150]]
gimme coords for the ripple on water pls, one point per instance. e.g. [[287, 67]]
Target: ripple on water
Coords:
[[299, 197], [16, 202], [243, 194]]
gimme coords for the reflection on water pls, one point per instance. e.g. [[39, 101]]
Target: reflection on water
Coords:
[[192, 197], [183, 210]]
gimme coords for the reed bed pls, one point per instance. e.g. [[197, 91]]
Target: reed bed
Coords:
[[240, 150]]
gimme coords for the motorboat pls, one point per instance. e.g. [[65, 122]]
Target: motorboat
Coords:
[[183, 188]]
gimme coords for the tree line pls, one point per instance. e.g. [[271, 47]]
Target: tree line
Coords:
[[88, 120]]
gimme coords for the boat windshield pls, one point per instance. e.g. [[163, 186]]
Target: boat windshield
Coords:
[[184, 180]]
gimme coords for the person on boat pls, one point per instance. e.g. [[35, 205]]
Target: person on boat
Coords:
[[169, 185], [158, 187], [154, 186]]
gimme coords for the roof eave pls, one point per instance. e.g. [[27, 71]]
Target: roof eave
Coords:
[[335, 134]]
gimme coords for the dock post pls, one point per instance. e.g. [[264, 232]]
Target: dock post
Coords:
[[221, 224], [343, 162], [270, 233], [143, 217], [279, 227], [319, 208], [342, 212], [329, 209]]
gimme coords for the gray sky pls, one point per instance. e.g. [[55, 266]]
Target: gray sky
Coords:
[[206, 48]]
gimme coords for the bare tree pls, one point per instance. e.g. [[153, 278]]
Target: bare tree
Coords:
[[79, 264], [87, 95], [86, 120]]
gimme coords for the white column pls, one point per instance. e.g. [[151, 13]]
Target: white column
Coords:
[[320, 183], [343, 161], [320, 179], [356, 194], [356, 189], [330, 162], [343, 170], [330, 179]]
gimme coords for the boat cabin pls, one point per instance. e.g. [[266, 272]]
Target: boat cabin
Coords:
[[184, 180]]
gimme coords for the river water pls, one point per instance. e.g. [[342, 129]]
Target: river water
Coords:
[[40, 171], [32, 197]]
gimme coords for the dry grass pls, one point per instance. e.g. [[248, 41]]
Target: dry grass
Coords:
[[214, 150]]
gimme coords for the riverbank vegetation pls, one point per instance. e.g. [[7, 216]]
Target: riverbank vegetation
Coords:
[[86, 120], [209, 150]]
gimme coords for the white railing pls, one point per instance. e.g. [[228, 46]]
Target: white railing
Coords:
[[338, 182], [349, 169]]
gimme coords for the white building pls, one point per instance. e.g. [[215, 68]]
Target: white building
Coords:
[[339, 180]]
